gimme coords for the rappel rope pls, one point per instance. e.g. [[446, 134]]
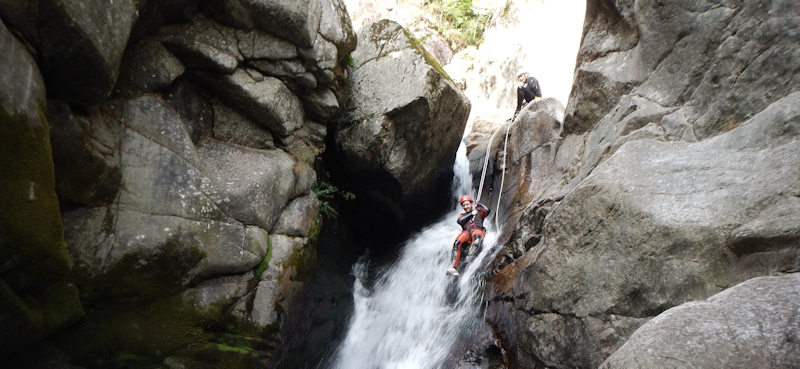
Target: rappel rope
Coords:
[[502, 178], [485, 165]]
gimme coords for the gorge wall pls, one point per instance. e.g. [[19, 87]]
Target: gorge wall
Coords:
[[159, 167], [673, 174]]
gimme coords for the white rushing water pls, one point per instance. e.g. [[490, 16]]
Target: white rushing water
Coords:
[[404, 319]]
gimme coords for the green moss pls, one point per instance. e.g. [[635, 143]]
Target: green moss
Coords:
[[143, 335], [348, 60], [265, 261], [160, 273], [314, 231], [244, 350], [34, 292], [425, 54], [31, 219], [303, 262], [127, 359]]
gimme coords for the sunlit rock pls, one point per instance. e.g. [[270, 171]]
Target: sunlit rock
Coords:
[[402, 124], [752, 324]]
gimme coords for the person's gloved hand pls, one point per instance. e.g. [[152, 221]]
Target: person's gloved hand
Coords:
[[475, 212]]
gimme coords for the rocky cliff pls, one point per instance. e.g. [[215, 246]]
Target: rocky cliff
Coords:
[[159, 161], [672, 175]]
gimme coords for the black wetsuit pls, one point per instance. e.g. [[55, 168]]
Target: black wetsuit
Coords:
[[527, 92]]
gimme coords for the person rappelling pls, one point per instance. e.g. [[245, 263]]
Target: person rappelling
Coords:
[[472, 232]]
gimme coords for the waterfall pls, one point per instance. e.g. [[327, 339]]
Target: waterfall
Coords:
[[407, 318]]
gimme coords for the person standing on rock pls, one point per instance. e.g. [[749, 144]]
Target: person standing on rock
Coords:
[[472, 231], [527, 91]]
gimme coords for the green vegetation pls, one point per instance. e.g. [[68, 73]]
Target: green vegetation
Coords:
[[428, 57], [243, 350], [348, 60], [265, 261], [458, 22], [326, 193]]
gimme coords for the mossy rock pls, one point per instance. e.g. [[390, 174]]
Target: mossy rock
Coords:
[[173, 330], [144, 277], [32, 237], [35, 297]]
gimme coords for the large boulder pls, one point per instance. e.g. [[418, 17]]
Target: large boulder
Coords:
[[80, 43], [751, 325], [399, 129], [36, 298]]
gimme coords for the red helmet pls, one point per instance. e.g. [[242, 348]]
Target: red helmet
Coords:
[[465, 198]]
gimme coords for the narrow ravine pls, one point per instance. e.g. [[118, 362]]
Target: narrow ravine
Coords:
[[406, 318]]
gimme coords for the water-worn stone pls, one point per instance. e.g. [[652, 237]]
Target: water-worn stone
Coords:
[[254, 44], [80, 43], [204, 44], [754, 324], [266, 99], [267, 294], [232, 126], [254, 185], [219, 291], [36, 298], [402, 124], [85, 155], [307, 142], [335, 26], [147, 66], [321, 105], [298, 217], [287, 19]]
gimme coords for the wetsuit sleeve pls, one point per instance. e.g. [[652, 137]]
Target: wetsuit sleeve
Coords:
[[483, 210], [464, 218], [519, 99], [535, 87]]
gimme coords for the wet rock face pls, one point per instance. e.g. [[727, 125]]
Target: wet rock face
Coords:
[[670, 179], [184, 184], [398, 131]]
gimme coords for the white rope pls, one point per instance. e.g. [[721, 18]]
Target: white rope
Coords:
[[485, 165], [503, 177]]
